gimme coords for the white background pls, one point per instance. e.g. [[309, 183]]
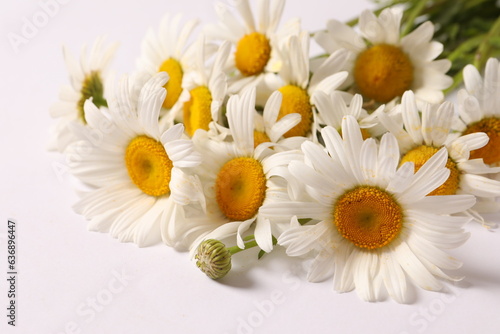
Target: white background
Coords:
[[63, 268]]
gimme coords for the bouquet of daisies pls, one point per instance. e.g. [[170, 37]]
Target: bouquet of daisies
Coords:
[[232, 135]]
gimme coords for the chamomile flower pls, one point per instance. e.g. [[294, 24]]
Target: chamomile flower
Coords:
[[87, 80], [169, 51], [385, 65], [132, 167], [479, 108], [297, 85], [332, 108], [205, 89], [376, 225], [235, 181], [255, 43], [268, 129], [423, 135]]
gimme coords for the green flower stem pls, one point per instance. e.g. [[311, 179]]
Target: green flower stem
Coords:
[[466, 47], [484, 49], [236, 249], [415, 12]]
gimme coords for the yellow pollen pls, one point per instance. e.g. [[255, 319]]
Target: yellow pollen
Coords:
[[420, 155], [296, 100], [174, 83], [197, 111], [148, 165], [259, 137], [367, 216], [383, 72], [240, 188], [490, 153], [92, 87], [252, 53]]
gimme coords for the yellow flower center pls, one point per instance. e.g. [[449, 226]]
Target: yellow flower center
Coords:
[[148, 165], [383, 72], [197, 111], [174, 83], [260, 137], [296, 100], [490, 153], [368, 217], [240, 188], [419, 157], [252, 53], [92, 87]]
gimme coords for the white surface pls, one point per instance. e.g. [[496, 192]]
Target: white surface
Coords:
[[63, 268]]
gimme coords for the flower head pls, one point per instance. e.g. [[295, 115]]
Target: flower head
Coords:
[[235, 182], [424, 131], [376, 223], [87, 81], [479, 108], [385, 65], [134, 166], [255, 43]]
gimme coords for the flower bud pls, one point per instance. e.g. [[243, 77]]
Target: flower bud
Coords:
[[213, 258]]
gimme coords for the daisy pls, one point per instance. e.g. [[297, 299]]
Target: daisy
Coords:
[[255, 43], [268, 129], [297, 85], [385, 65], [169, 51], [479, 108], [376, 225], [205, 89], [235, 181], [87, 80], [426, 133], [132, 167], [332, 108]]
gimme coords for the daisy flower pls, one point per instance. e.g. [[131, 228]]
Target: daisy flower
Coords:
[[255, 43], [332, 108], [235, 181], [87, 80], [479, 108], [169, 51], [376, 225], [297, 85], [385, 65], [205, 89], [426, 133], [268, 129], [132, 167]]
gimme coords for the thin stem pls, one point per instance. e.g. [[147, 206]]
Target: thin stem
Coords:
[[236, 249], [466, 47], [484, 49], [413, 14]]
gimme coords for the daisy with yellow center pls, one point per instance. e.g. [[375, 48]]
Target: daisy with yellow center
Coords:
[[255, 43], [169, 51], [132, 165], [268, 129], [424, 132], [87, 81], [376, 224], [479, 108], [297, 86], [204, 90], [333, 107], [384, 65], [236, 180]]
